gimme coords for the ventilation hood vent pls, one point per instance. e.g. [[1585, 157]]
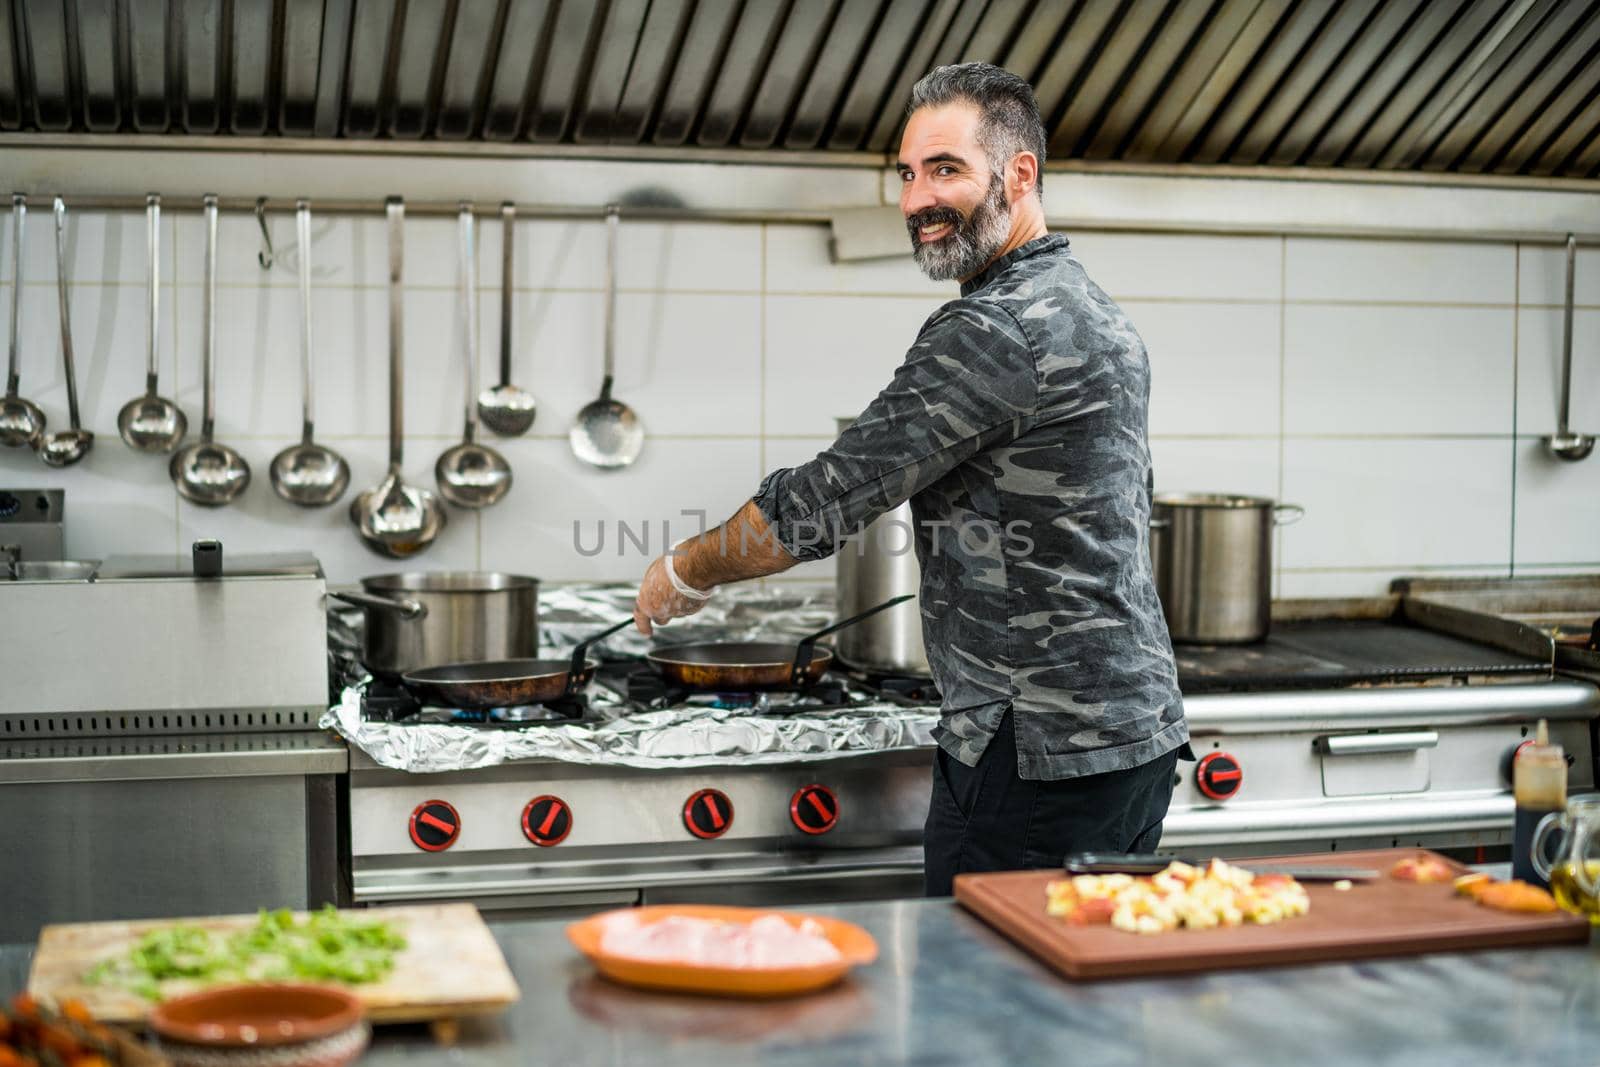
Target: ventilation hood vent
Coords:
[[1465, 86]]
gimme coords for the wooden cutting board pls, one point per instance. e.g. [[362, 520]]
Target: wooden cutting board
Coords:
[[1385, 917], [451, 965]]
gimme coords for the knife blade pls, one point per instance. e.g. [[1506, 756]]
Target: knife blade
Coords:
[[1151, 863]]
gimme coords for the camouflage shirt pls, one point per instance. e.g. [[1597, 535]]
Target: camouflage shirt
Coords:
[[1016, 428]]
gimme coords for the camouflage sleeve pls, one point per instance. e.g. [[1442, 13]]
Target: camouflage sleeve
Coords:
[[969, 382]]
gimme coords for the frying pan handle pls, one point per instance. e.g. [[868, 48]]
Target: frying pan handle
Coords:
[[802, 655], [580, 654]]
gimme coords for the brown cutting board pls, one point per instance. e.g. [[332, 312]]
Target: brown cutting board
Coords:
[[1385, 917], [451, 965]]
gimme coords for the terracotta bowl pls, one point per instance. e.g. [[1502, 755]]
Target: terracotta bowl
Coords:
[[261, 1026]]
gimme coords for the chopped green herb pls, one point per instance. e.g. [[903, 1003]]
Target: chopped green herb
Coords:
[[327, 946]]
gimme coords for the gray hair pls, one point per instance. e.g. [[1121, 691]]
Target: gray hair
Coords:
[[1009, 116]]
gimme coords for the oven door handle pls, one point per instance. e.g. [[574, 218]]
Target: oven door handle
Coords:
[[1368, 744]]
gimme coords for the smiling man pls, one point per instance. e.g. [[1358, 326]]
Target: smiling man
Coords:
[[1016, 427]]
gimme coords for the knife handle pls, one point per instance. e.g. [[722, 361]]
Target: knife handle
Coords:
[[1120, 862]]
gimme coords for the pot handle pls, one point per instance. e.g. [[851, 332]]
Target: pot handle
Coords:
[[408, 609], [1287, 514]]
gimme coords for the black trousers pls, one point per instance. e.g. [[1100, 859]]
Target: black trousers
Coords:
[[988, 818]]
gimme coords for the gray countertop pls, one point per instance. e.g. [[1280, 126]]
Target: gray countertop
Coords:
[[948, 990]]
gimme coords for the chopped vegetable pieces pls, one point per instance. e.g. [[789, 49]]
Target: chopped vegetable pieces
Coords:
[[328, 946], [1181, 895]]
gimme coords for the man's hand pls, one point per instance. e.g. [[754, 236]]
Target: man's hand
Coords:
[[658, 601], [739, 549]]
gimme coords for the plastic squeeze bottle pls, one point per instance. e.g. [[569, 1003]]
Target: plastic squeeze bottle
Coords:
[[1539, 780]]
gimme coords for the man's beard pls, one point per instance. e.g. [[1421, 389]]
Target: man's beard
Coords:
[[974, 240]]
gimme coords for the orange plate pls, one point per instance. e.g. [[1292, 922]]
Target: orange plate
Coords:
[[855, 946]]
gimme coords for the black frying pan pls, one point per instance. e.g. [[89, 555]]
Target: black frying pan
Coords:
[[752, 666], [506, 683]]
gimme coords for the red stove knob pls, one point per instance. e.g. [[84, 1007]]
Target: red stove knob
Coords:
[[1219, 775], [814, 809], [708, 814], [435, 825], [1508, 762], [546, 821]]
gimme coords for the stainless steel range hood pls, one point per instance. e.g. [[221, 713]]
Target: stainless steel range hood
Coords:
[[1466, 86]]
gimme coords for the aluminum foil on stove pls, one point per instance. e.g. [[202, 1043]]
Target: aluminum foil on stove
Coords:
[[674, 737]]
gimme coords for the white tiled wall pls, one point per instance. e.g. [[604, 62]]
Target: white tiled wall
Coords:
[[1395, 389]]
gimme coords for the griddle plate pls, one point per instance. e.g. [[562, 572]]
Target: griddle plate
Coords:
[[1338, 653]]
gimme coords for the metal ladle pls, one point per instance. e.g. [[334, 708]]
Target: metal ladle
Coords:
[[608, 434], [505, 409], [471, 475], [152, 423], [393, 518], [21, 421], [207, 473], [307, 474], [1564, 444], [65, 447]]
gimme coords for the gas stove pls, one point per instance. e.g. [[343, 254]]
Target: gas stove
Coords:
[[1350, 727], [629, 686]]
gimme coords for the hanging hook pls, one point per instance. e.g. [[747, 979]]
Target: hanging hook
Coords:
[[265, 256]]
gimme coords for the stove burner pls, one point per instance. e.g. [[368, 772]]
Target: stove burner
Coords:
[[643, 687], [906, 690], [388, 701]]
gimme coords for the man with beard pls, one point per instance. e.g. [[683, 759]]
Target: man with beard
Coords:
[[1016, 428]]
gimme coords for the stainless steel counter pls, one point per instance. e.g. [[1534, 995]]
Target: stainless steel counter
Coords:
[[128, 759], [947, 990]]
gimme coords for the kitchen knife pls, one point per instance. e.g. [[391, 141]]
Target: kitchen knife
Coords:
[[1151, 863]]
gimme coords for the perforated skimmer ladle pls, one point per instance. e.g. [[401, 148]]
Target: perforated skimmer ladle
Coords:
[[65, 447], [608, 434], [1565, 443], [307, 474], [471, 475], [395, 519], [21, 421], [506, 409], [208, 473], [152, 423]]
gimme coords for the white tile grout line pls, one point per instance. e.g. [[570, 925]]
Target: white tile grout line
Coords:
[[762, 319], [171, 247], [1400, 568], [761, 447], [1283, 373], [869, 294], [1516, 376]]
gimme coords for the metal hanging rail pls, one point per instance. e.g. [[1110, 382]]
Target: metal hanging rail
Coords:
[[432, 208]]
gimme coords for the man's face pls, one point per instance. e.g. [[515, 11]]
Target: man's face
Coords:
[[953, 202]]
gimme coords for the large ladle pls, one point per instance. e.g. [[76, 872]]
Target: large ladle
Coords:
[[152, 423], [208, 473], [65, 447], [393, 518], [1564, 444], [471, 475], [21, 421], [608, 434], [506, 409], [307, 474]]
